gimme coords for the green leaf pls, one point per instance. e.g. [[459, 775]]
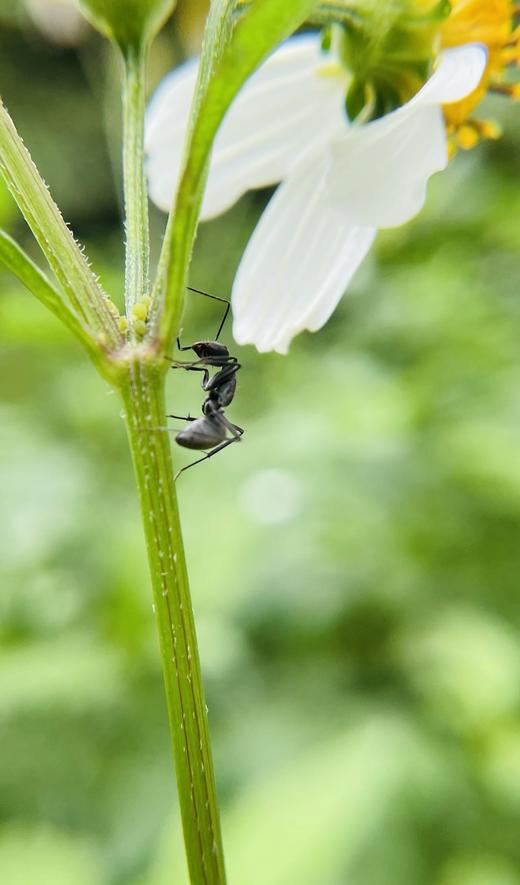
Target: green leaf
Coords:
[[233, 48]]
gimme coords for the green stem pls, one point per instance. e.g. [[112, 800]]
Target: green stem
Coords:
[[136, 200], [54, 237], [143, 397]]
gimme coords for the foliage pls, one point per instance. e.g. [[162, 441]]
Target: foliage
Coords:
[[131, 355], [354, 562]]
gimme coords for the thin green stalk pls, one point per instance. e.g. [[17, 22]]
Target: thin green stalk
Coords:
[[54, 237], [143, 397], [136, 200]]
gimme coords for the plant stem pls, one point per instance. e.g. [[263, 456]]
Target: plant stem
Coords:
[[136, 200], [143, 396]]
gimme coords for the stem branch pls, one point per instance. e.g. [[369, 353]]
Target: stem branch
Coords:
[[54, 237]]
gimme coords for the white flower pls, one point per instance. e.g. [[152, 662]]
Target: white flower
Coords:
[[340, 183]]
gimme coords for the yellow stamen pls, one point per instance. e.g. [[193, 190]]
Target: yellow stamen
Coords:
[[331, 69], [489, 129], [489, 22], [510, 56], [467, 136], [509, 90]]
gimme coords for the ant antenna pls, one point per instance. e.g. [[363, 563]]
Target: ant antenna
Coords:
[[215, 298]]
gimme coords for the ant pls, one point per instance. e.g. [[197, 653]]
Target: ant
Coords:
[[210, 431]]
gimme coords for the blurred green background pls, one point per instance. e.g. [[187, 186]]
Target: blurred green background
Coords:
[[355, 562]]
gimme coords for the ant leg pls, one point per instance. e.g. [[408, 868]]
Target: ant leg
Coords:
[[205, 375], [190, 367], [229, 367], [237, 431], [214, 451], [169, 429], [180, 364], [224, 360]]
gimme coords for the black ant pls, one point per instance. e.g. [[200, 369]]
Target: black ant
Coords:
[[210, 431]]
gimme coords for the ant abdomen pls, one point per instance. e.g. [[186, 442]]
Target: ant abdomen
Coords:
[[201, 434]]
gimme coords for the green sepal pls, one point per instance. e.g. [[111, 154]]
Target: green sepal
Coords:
[[389, 50], [355, 99], [326, 39], [131, 24]]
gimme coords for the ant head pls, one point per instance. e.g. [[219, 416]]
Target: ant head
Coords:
[[205, 349]]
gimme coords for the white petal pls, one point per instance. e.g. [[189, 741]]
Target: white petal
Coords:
[[458, 73], [298, 262], [170, 104], [288, 109], [165, 130], [379, 172], [291, 105]]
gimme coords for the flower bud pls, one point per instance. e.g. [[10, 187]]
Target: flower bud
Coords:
[[132, 24], [388, 48]]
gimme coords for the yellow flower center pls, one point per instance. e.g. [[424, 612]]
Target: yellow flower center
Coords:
[[490, 22]]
